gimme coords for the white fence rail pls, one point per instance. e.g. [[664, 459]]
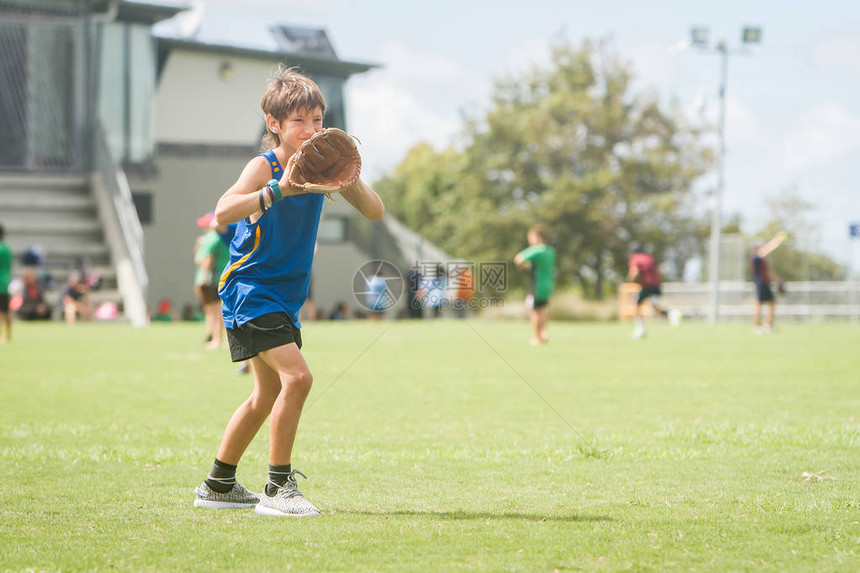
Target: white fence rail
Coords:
[[122, 230], [804, 300]]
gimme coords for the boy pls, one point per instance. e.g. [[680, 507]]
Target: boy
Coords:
[[540, 257], [643, 269], [762, 277], [263, 289]]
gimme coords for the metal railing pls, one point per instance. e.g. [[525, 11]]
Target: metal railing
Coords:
[[122, 229], [803, 300]]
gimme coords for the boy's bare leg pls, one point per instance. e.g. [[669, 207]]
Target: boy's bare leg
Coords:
[[249, 417], [281, 496], [295, 385], [85, 308], [207, 321], [542, 322], [214, 320], [639, 322], [757, 315], [771, 310], [70, 310], [6, 318], [535, 319]]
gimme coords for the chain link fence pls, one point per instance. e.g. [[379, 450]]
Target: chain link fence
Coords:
[[43, 89]]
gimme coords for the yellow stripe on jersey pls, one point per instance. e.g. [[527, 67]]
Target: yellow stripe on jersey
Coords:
[[237, 264]]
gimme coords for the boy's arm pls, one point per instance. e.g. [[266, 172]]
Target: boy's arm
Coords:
[[771, 245], [365, 200], [633, 274], [242, 199], [523, 258]]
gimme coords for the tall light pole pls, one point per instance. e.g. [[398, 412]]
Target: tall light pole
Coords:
[[699, 39]]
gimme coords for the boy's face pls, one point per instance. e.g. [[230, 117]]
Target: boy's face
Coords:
[[300, 126]]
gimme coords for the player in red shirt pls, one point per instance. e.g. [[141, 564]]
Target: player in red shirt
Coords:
[[643, 270]]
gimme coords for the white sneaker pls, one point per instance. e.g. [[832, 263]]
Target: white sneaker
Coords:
[[238, 497], [675, 317], [638, 333], [287, 501]]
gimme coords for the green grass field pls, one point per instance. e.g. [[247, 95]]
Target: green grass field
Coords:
[[442, 446]]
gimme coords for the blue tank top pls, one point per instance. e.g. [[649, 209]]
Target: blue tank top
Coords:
[[271, 259]]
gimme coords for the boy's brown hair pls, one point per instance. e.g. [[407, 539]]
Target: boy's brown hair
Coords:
[[288, 90], [539, 231]]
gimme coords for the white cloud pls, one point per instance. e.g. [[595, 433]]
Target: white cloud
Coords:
[[417, 96], [389, 120], [824, 135]]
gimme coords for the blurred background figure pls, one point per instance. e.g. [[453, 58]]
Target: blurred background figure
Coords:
[[762, 277], [642, 269], [340, 312], [33, 305], [432, 291], [5, 279], [539, 259], [107, 310], [164, 311], [212, 254], [412, 286], [76, 299], [34, 256]]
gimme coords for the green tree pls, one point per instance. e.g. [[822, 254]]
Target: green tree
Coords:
[[573, 148], [797, 259]]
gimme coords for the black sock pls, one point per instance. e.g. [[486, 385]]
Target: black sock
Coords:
[[277, 475], [222, 478]]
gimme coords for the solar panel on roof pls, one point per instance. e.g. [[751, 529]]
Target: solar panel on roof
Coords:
[[303, 41]]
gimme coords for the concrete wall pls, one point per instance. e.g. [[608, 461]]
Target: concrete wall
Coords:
[[196, 103], [186, 187]]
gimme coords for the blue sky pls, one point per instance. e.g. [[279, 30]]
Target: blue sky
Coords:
[[793, 115]]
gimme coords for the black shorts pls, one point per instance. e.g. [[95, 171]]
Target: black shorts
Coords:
[[208, 295], [261, 334], [648, 292], [539, 303], [4, 302], [763, 293]]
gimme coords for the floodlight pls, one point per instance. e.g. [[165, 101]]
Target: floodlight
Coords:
[[699, 36], [751, 35]]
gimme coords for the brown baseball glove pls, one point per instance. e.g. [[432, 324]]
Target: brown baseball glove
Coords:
[[327, 163]]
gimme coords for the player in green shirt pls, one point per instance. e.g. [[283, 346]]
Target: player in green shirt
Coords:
[[211, 256], [5, 279], [539, 257]]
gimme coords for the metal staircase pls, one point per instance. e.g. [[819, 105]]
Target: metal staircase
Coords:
[[59, 214], [81, 222]]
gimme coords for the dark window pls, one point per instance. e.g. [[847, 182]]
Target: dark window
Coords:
[[143, 203]]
